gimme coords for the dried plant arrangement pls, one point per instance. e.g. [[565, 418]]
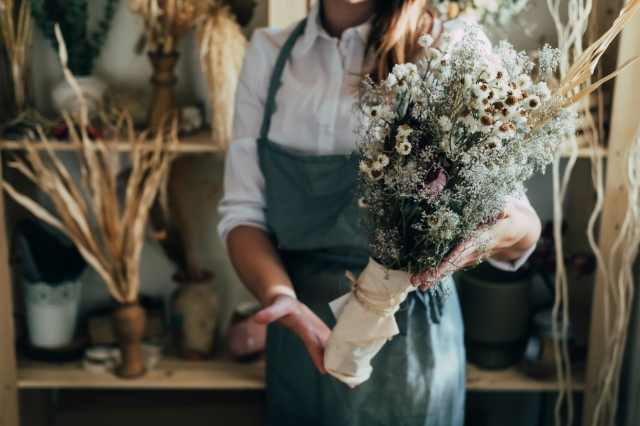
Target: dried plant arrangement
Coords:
[[72, 16], [221, 47], [16, 38], [109, 236], [166, 22]]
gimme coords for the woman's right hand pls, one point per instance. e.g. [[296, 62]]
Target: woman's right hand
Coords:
[[296, 317]]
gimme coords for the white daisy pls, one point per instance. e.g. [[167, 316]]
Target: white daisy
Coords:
[[524, 81], [445, 123], [403, 148], [532, 102], [380, 162], [400, 70], [391, 81], [375, 174], [425, 41], [404, 131]]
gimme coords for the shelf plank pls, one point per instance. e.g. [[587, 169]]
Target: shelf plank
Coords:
[[171, 373], [201, 143], [196, 143], [226, 374], [513, 379]]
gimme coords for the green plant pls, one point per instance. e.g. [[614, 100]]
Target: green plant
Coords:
[[72, 16]]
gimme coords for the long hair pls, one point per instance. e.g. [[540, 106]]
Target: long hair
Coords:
[[395, 29]]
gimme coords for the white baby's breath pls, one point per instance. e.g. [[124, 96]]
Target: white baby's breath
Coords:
[[446, 141]]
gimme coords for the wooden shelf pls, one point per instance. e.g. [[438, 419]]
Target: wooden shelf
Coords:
[[196, 143], [226, 374], [201, 143], [513, 379], [171, 373]]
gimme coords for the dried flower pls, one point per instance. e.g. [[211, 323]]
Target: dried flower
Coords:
[[460, 123], [425, 41]]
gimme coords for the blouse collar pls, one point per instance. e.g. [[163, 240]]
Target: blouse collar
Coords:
[[314, 29]]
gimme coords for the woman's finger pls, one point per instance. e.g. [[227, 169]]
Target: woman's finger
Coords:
[[316, 349], [272, 313]]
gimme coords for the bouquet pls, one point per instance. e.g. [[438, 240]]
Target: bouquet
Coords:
[[443, 144]]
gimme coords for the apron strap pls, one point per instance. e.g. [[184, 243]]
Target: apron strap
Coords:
[[275, 81]]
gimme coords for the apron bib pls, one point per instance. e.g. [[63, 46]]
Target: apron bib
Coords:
[[418, 377]]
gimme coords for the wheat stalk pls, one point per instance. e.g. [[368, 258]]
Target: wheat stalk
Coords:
[[90, 214], [221, 50], [16, 38]]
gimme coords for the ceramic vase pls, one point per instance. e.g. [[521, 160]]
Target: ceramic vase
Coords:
[[194, 315], [65, 99], [495, 309], [52, 312], [129, 321], [163, 80]]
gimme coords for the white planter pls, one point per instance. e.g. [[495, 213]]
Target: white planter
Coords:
[[64, 98], [52, 313]]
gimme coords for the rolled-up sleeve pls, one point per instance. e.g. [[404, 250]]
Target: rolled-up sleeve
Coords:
[[515, 264], [243, 202]]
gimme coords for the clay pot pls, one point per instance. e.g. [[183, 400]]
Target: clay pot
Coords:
[[129, 321], [194, 315], [163, 79]]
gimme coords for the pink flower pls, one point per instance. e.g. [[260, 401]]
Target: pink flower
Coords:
[[434, 181]]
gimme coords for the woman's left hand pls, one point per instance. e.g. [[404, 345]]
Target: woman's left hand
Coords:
[[516, 230]]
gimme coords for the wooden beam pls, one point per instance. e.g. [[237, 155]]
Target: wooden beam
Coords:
[[8, 366], [624, 123], [283, 13]]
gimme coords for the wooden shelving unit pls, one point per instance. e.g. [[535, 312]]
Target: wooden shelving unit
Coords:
[[226, 374]]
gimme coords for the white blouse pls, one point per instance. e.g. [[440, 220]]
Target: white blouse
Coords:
[[313, 110]]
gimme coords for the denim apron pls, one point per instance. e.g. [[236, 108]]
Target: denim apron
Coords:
[[419, 376]]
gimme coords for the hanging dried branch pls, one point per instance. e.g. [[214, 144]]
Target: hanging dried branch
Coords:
[[16, 37], [584, 63], [221, 50], [90, 214]]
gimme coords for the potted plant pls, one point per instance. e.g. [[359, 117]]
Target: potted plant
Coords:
[[49, 269], [177, 217], [108, 235], [83, 47], [165, 23]]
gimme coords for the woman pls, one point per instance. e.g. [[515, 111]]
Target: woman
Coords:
[[289, 220]]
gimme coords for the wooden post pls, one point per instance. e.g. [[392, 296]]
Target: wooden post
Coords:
[[8, 366], [283, 13], [624, 123]]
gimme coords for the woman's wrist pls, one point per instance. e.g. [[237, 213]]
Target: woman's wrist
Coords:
[[516, 234], [273, 292]]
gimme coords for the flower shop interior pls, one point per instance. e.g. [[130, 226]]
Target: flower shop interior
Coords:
[[134, 314]]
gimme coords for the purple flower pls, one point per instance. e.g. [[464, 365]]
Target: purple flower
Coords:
[[433, 182]]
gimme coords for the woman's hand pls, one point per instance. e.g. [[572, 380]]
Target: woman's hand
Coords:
[[301, 321], [517, 229]]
